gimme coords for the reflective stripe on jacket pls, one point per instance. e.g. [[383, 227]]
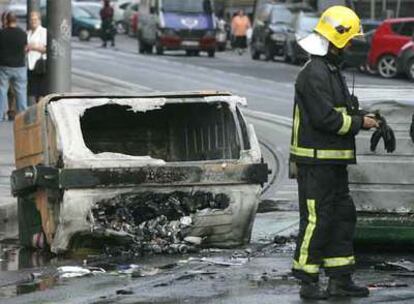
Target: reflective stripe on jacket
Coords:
[[323, 128]]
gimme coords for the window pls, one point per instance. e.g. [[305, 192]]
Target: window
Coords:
[[407, 29], [403, 28]]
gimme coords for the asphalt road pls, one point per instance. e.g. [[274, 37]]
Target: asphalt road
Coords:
[[263, 273]]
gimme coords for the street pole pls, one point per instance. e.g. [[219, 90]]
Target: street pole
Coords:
[[372, 9], [32, 6], [59, 63]]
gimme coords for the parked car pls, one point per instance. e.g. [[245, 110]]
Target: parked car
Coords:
[[405, 60], [119, 9], [303, 25], [130, 10], [356, 55], [84, 24], [177, 25], [147, 154], [18, 7], [270, 31], [387, 41], [94, 8]]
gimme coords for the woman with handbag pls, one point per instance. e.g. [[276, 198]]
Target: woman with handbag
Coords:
[[36, 58]]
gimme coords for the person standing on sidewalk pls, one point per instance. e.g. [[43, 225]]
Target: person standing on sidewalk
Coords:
[[13, 41], [36, 58], [326, 119], [107, 18], [240, 24]]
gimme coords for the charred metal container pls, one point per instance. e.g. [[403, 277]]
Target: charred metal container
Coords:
[[73, 152], [382, 184]]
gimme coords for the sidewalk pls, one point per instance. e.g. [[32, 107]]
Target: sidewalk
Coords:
[[8, 204]]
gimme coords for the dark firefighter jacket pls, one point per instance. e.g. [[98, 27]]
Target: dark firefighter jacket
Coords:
[[324, 126]]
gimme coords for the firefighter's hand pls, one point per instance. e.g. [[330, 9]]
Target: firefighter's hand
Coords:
[[369, 123]]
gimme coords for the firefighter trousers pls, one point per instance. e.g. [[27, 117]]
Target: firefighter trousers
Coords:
[[327, 222]]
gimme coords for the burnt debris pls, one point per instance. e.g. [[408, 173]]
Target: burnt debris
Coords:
[[152, 222]]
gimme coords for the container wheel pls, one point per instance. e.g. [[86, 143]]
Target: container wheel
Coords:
[[387, 66], [211, 53]]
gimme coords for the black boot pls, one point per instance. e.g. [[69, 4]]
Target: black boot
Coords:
[[344, 286], [312, 291]]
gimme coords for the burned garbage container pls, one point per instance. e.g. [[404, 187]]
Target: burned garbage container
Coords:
[[154, 169]]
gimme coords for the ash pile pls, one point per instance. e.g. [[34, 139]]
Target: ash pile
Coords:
[[152, 222]]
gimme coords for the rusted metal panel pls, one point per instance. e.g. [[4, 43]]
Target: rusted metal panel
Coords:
[[29, 137], [46, 214]]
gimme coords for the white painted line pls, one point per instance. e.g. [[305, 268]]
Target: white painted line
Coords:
[[122, 83]]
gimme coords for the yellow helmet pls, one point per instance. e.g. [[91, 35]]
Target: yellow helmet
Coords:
[[339, 24]]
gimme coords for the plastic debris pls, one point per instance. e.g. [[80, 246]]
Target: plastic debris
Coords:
[[195, 240], [402, 265], [227, 262], [387, 285], [152, 222], [66, 272]]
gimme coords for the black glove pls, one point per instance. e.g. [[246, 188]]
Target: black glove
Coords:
[[385, 132], [412, 129]]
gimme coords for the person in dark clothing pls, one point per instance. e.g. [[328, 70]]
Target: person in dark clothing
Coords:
[[13, 41], [326, 119], [108, 30]]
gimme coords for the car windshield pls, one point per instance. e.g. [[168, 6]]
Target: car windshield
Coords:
[[281, 15], [81, 13], [93, 10], [307, 23], [187, 6]]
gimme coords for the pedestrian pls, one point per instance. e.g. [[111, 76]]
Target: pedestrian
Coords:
[[326, 119], [108, 29], [10, 106], [36, 58], [240, 24], [13, 41]]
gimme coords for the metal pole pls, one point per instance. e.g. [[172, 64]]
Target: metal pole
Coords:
[[59, 27], [397, 13], [372, 9], [32, 6]]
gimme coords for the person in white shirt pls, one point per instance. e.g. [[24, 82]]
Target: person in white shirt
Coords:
[[36, 58]]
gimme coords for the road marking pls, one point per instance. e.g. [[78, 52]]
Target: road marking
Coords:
[[111, 80]]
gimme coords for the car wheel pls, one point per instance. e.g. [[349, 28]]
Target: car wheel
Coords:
[[286, 57], [120, 27], [410, 70], [159, 50], [148, 48], [387, 66], [84, 35], [211, 53], [268, 53], [254, 52], [141, 46], [294, 58]]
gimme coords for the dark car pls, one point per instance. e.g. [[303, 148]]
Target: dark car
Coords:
[[85, 24], [405, 60], [271, 27], [356, 55], [303, 25]]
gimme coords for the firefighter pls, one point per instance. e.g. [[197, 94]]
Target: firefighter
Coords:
[[326, 119]]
